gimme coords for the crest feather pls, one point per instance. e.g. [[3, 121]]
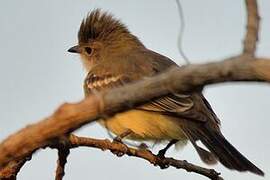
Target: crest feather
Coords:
[[100, 26]]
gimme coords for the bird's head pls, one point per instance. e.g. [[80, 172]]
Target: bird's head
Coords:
[[101, 37]]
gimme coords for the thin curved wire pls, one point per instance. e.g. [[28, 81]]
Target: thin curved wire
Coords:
[[181, 31]]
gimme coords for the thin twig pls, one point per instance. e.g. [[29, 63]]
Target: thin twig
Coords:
[[181, 32], [253, 23], [121, 149], [63, 147]]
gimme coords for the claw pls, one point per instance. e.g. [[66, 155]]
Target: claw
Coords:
[[161, 153]]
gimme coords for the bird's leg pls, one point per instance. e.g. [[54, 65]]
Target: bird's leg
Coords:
[[119, 137], [162, 152]]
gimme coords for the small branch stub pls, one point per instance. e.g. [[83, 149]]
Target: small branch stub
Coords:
[[252, 33]]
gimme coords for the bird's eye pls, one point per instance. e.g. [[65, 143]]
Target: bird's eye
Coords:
[[88, 50]]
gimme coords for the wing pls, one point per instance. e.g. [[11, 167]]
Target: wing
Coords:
[[181, 105], [134, 67]]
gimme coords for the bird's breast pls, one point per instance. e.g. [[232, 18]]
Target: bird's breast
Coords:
[[145, 125]]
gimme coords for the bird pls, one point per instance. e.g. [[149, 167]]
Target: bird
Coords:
[[113, 57]]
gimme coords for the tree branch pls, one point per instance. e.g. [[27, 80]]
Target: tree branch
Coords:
[[122, 149], [253, 23], [10, 171]]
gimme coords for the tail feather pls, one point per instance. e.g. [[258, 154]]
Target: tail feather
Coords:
[[225, 152], [206, 156]]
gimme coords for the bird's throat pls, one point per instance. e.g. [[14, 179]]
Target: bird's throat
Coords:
[[87, 63]]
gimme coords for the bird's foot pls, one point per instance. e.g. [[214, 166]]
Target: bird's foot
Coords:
[[116, 152], [118, 139], [161, 153], [143, 146]]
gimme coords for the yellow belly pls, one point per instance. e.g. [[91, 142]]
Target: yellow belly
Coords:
[[145, 125]]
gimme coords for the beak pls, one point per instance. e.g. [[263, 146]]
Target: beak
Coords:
[[74, 49]]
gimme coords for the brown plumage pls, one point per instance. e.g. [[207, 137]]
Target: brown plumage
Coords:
[[114, 57], [106, 32]]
